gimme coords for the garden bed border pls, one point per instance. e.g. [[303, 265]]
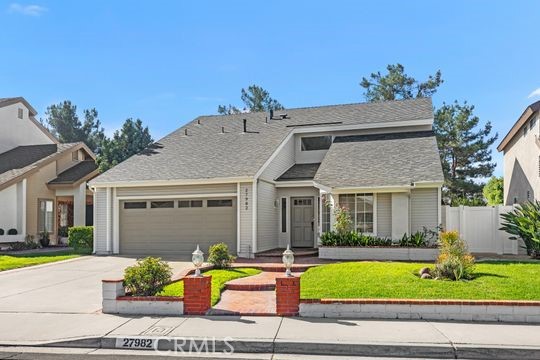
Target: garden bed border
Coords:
[[445, 309], [378, 253]]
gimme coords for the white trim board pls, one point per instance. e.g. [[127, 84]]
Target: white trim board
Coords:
[[186, 196]]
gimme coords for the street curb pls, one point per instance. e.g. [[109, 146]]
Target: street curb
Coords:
[[279, 346]]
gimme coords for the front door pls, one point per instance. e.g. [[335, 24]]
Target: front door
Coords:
[[302, 222]]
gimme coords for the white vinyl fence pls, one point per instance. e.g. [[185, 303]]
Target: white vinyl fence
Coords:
[[479, 227]]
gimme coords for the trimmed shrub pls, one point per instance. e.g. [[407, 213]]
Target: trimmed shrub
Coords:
[[524, 222], [352, 238], [218, 255], [12, 232], [81, 237], [147, 277], [454, 261]]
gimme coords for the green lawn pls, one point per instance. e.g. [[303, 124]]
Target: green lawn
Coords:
[[493, 281], [8, 262], [219, 278]]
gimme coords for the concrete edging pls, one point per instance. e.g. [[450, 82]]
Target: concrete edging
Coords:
[[377, 253], [445, 310]]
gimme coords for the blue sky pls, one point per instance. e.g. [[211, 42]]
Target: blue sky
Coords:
[[167, 62]]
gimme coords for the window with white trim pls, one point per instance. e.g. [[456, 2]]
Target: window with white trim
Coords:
[[190, 203], [46, 215], [162, 204], [20, 113], [361, 208], [325, 216], [310, 143], [219, 203]]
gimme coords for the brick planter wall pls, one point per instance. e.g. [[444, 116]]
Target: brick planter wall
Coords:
[[287, 296], [197, 295]]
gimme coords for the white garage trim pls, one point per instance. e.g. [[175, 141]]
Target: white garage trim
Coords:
[[116, 223], [238, 200], [254, 218], [187, 196]]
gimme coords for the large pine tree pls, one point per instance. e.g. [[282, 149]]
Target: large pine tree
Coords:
[[255, 98]]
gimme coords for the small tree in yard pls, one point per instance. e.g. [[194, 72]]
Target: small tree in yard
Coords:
[[218, 255], [343, 222], [493, 191], [524, 222], [147, 277]]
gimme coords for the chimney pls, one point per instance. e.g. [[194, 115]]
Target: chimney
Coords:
[[245, 125], [223, 129], [271, 111]]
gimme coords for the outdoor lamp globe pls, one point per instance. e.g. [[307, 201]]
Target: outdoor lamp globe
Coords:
[[288, 260], [198, 259]]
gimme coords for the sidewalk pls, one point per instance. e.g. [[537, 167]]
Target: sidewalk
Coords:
[[279, 335]]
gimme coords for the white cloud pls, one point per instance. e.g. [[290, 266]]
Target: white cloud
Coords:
[[28, 10], [534, 93]]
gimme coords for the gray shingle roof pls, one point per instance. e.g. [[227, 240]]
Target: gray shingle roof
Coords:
[[300, 172], [381, 160], [207, 153], [75, 173], [18, 161]]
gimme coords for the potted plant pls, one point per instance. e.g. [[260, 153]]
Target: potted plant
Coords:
[[44, 238]]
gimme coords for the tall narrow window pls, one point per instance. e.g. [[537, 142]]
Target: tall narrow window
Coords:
[[325, 221], [46, 216], [20, 113], [283, 215]]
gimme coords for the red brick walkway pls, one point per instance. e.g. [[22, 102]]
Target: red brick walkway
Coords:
[[252, 295]]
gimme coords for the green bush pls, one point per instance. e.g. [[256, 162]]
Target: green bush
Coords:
[[147, 277], [81, 237], [352, 238], [454, 261], [218, 255], [524, 222]]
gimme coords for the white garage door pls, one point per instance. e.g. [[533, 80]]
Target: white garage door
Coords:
[[176, 227]]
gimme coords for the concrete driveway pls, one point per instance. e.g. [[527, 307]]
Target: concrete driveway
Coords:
[[70, 287]]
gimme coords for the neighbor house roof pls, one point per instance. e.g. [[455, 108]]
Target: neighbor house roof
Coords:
[[216, 146], [385, 160], [14, 100], [76, 174], [22, 160], [300, 172], [525, 116]]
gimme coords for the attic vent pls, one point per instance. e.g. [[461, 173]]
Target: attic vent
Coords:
[[245, 125], [185, 132], [198, 121], [20, 113], [283, 116]]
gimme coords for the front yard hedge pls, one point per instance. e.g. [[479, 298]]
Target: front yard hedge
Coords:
[[81, 237]]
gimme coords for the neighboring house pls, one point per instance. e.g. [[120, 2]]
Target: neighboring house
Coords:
[[259, 181], [42, 182], [521, 149]]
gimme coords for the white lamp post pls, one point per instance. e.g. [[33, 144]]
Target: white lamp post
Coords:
[[197, 258], [288, 260]]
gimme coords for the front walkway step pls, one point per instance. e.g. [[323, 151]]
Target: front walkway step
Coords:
[[298, 252], [248, 303], [260, 282]]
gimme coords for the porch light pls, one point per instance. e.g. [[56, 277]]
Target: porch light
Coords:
[[197, 259], [288, 260]]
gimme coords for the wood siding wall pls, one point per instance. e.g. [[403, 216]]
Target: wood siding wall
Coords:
[[100, 221], [267, 215], [384, 214], [424, 209]]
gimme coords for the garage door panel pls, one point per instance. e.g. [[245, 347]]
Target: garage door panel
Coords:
[[176, 231]]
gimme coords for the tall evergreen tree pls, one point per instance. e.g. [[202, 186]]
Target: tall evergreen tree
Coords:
[[397, 85], [62, 120], [255, 98], [464, 147], [132, 138]]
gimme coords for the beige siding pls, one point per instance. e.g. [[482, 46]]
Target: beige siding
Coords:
[[100, 221], [384, 214], [176, 190], [267, 217], [246, 220], [281, 163], [36, 188], [424, 209]]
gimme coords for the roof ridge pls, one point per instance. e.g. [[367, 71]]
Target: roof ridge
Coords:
[[366, 103]]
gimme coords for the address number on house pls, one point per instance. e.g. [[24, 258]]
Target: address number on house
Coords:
[[135, 343]]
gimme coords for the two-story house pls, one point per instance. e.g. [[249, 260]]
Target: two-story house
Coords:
[[42, 182], [521, 150], [260, 181]]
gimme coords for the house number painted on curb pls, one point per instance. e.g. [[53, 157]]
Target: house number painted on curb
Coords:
[[246, 202], [135, 343]]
